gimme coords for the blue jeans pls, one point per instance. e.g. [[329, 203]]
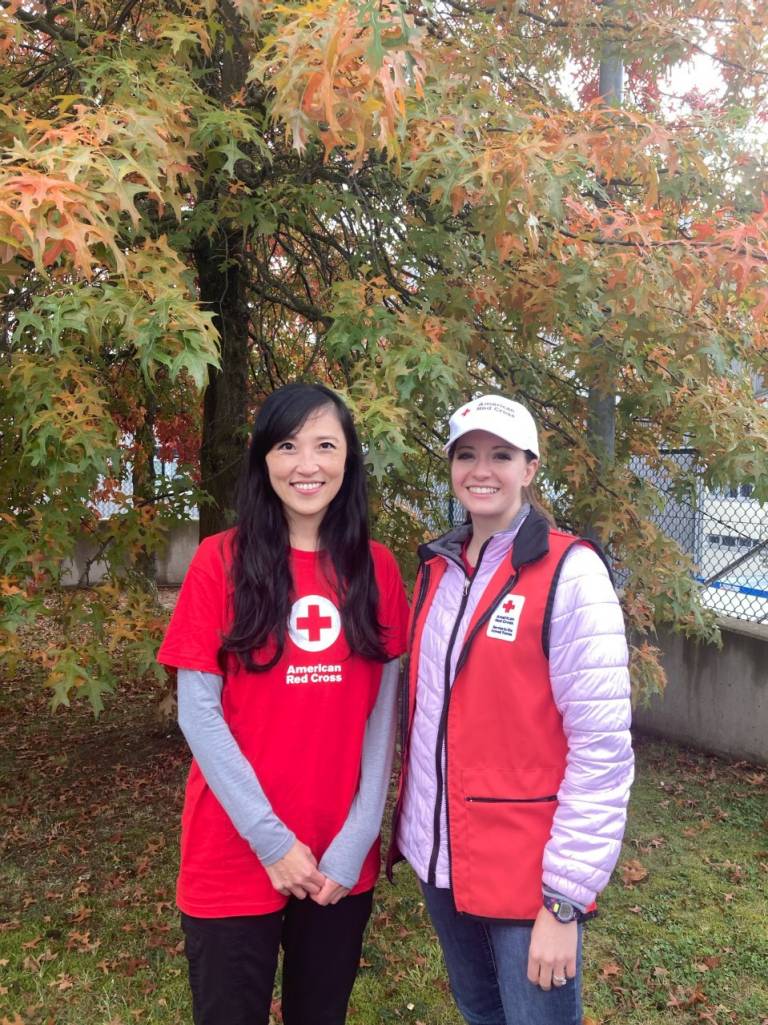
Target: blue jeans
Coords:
[[487, 964]]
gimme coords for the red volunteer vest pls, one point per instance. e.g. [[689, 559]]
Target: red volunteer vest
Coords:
[[505, 745]]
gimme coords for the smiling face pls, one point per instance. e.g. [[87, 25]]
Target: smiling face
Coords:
[[306, 472], [488, 476]]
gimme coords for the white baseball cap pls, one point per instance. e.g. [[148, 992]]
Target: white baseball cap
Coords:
[[506, 419]]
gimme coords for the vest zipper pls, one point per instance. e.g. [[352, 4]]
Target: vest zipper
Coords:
[[511, 800], [404, 724], [443, 724], [510, 583]]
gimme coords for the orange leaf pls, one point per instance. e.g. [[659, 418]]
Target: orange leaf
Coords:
[[632, 872]]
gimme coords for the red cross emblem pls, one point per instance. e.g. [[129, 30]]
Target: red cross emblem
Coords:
[[508, 606], [314, 623], [466, 411]]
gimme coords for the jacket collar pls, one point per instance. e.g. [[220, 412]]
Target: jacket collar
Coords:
[[531, 542]]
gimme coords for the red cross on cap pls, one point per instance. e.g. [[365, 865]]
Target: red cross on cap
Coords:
[[313, 622], [466, 411]]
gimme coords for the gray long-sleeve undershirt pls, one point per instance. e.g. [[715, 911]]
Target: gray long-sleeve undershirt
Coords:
[[236, 786]]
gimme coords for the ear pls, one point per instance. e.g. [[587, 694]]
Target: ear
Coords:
[[530, 472]]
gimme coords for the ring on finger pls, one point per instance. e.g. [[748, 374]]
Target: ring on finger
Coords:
[[559, 980]]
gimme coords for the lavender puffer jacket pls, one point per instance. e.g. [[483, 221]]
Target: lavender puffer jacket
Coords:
[[590, 684]]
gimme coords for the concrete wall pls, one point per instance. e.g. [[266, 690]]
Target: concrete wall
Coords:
[[716, 700], [171, 564]]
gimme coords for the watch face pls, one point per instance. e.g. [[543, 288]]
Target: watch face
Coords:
[[565, 911]]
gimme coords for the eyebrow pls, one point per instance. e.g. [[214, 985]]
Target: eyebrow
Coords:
[[468, 445], [320, 437]]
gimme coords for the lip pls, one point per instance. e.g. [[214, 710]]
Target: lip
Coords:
[[488, 490], [307, 487]]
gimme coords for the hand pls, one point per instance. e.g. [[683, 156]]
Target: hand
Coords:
[[553, 948], [331, 893], [296, 873]]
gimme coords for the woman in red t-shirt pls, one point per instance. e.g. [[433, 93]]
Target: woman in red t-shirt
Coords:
[[286, 635]]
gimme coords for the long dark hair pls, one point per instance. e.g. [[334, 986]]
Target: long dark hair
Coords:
[[263, 587]]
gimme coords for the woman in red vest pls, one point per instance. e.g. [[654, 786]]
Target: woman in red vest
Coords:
[[286, 637], [517, 759]]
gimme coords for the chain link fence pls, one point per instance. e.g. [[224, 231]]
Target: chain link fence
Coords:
[[724, 531]]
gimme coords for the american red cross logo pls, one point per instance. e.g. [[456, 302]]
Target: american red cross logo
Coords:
[[508, 606], [466, 411], [314, 622]]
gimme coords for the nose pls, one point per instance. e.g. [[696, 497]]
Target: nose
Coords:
[[482, 468], [307, 463]]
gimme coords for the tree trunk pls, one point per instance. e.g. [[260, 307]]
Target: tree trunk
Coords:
[[601, 404], [221, 279], [143, 478]]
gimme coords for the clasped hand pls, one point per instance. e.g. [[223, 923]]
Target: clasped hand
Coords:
[[296, 874]]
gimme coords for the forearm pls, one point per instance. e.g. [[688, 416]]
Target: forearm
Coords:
[[227, 771], [590, 685], [344, 858]]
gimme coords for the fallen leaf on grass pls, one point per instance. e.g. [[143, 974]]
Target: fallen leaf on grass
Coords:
[[62, 982], [81, 942], [686, 998], [632, 872], [707, 964], [80, 914], [610, 970]]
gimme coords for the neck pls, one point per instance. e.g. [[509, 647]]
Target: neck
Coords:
[[304, 535], [483, 529]]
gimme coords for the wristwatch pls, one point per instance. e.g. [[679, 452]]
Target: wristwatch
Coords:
[[562, 910]]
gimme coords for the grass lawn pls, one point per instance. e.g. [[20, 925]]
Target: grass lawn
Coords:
[[89, 933]]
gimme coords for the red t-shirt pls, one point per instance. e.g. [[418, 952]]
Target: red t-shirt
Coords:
[[301, 724]]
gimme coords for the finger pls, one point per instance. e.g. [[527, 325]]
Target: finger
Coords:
[[533, 971], [545, 977], [312, 886], [570, 969], [311, 880], [298, 891]]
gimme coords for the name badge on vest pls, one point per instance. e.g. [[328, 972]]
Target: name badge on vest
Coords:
[[503, 623]]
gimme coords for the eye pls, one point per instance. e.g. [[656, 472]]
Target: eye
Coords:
[[285, 446], [327, 446], [504, 456], [464, 454]]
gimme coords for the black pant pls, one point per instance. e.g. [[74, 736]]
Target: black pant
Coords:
[[232, 962]]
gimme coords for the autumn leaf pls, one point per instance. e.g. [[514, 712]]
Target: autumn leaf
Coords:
[[610, 970], [632, 872]]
